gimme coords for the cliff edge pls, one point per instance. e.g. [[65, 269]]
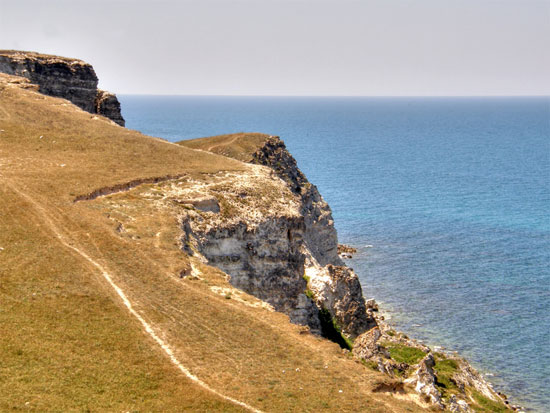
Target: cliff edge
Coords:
[[138, 274], [312, 285], [293, 262], [71, 79]]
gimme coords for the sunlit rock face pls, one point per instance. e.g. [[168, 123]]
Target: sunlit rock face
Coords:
[[274, 235]]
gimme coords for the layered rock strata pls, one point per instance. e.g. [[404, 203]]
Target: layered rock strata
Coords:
[[289, 260], [70, 79], [288, 257], [333, 286], [107, 104], [320, 236]]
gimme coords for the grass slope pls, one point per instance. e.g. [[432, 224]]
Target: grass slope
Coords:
[[69, 344], [239, 146]]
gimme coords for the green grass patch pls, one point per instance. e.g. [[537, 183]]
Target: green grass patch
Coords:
[[445, 366], [309, 294], [405, 354], [484, 404], [444, 371]]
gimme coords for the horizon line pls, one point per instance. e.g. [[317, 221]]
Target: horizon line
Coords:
[[334, 96]]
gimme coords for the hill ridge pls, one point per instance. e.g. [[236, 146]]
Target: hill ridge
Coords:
[[160, 245]]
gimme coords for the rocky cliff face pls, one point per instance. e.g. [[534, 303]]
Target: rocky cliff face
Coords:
[[264, 259], [320, 234], [107, 104], [285, 256], [274, 235], [71, 79], [333, 286]]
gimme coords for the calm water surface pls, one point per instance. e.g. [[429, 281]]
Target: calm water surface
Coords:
[[452, 194]]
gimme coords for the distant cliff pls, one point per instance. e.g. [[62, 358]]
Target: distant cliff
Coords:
[[71, 79]]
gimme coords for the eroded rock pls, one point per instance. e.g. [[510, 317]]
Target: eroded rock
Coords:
[[267, 246], [366, 345], [70, 79], [337, 289], [320, 235], [456, 405], [206, 203], [107, 104], [423, 380], [467, 376]]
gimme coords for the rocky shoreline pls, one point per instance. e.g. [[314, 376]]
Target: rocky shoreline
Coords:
[[268, 255], [425, 379], [270, 230]]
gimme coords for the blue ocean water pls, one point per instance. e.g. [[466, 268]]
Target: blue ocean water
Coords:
[[453, 195]]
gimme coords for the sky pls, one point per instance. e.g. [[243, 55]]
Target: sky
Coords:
[[294, 47]]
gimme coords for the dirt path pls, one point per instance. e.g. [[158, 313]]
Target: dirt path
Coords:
[[209, 149], [150, 329]]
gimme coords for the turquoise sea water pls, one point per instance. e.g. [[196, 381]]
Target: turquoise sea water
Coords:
[[453, 195]]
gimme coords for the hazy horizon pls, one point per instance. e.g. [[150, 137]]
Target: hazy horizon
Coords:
[[338, 96], [295, 47]]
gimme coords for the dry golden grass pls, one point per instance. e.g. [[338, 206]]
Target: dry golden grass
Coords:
[[69, 344], [239, 146], [66, 343]]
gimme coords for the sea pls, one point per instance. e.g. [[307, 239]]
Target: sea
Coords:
[[446, 199]]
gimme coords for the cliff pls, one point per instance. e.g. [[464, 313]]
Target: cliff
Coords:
[[272, 258], [102, 305], [71, 79], [288, 259], [138, 274]]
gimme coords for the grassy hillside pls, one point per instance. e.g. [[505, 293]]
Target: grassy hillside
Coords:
[[239, 146], [69, 342]]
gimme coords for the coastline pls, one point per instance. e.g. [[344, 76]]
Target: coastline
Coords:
[[308, 241], [384, 317], [440, 379]]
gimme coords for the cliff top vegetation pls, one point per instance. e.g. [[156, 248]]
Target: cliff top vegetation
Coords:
[[239, 146], [20, 54], [71, 341]]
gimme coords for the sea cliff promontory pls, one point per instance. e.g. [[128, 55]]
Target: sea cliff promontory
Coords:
[[139, 274], [71, 79]]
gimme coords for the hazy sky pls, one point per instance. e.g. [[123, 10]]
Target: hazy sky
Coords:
[[295, 47]]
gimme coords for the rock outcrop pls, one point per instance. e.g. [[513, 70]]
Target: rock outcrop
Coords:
[[333, 287], [424, 380], [71, 79], [320, 236], [286, 252], [264, 259], [337, 289], [107, 104]]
